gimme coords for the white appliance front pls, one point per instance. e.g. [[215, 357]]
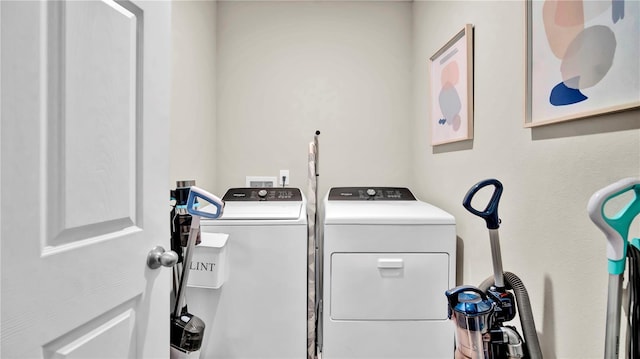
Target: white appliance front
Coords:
[[386, 265], [261, 310], [388, 286]]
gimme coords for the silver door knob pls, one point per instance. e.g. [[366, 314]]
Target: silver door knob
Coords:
[[159, 257]]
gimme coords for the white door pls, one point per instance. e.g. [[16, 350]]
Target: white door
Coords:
[[84, 173]]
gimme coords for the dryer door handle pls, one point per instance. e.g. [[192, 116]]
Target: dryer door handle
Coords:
[[390, 263]]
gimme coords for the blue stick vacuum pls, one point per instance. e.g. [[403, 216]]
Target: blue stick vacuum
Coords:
[[187, 330]]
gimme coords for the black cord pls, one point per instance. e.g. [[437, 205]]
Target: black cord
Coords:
[[633, 312]]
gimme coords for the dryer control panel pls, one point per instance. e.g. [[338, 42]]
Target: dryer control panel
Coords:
[[370, 194], [263, 194]]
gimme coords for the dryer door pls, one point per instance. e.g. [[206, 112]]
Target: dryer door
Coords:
[[389, 286]]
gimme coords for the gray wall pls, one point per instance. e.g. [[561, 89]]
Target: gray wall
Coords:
[[358, 72], [287, 69], [193, 93], [549, 174]]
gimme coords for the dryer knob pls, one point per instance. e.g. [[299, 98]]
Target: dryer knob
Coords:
[[262, 193], [371, 192]]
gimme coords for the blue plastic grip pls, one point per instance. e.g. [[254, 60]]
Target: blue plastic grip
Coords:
[[490, 213], [196, 192]]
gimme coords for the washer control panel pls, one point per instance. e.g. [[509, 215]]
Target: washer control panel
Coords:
[[370, 194], [263, 194]]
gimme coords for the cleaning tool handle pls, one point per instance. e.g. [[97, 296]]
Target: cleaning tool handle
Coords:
[[614, 308], [197, 192], [490, 213], [615, 228], [184, 277]]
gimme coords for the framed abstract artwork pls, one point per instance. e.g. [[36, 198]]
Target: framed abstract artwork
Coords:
[[451, 89], [582, 59]]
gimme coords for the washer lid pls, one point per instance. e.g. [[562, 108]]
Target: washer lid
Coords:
[[263, 210], [384, 212]]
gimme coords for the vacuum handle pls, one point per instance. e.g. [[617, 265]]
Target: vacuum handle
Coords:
[[197, 192], [490, 213], [616, 228]]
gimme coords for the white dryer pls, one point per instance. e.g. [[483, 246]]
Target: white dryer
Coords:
[[261, 309], [387, 260]]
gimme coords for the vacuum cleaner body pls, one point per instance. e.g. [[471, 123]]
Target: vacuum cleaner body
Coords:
[[187, 332], [480, 330], [480, 313], [472, 312]]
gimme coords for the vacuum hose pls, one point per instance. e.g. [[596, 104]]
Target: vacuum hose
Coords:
[[514, 283]]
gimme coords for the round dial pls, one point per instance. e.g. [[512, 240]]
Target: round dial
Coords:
[[371, 192], [262, 193]]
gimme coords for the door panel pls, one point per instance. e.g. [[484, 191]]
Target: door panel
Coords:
[[99, 116], [84, 169], [102, 337], [91, 120]]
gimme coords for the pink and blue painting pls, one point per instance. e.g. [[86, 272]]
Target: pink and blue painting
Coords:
[[584, 58], [451, 97]]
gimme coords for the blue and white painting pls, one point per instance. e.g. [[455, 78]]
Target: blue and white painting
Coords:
[[585, 58]]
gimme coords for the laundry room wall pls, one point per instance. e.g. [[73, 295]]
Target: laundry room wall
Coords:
[[288, 68], [548, 173], [253, 80], [193, 96]]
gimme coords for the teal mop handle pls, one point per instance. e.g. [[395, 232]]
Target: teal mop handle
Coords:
[[616, 230], [612, 333]]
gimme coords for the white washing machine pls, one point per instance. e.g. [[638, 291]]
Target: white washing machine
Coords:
[[261, 309], [387, 261]]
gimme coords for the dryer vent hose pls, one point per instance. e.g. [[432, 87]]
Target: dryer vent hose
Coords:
[[514, 283]]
